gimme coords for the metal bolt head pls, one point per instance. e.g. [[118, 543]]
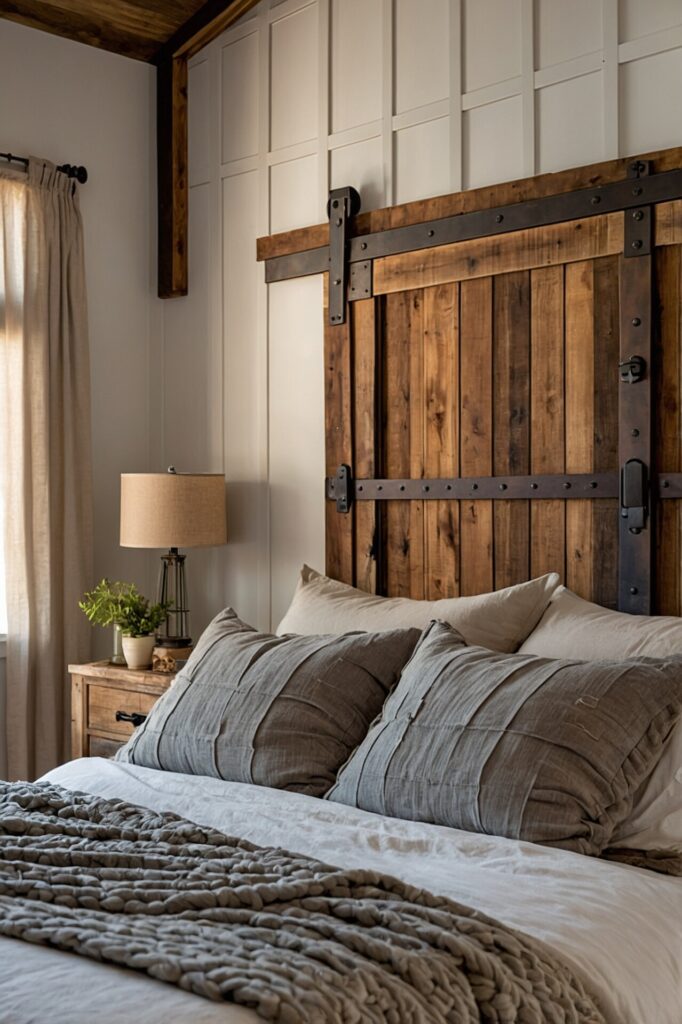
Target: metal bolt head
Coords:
[[637, 190], [503, 487], [533, 487], [499, 218], [567, 485], [637, 244], [635, 321], [666, 483], [430, 232], [337, 280], [633, 590], [638, 215], [595, 200], [335, 204], [363, 245], [635, 432]]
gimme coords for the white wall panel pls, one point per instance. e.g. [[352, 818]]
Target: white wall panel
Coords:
[[643, 17], [239, 94], [422, 53], [294, 199], [491, 41], [423, 160], [492, 143], [356, 63], [294, 86], [361, 165], [244, 560], [198, 123], [564, 31], [296, 434], [650, 114], [569, 122]]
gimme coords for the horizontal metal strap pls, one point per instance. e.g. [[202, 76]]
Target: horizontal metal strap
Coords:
[[496, 488], [559, 485], [629, 194]]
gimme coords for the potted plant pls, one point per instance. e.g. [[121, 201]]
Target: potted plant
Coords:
[[123, 606]]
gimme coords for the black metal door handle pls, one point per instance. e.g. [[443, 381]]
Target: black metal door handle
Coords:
[[131, 716]]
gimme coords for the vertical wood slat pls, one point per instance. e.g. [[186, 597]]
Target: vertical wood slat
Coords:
[[366, 442], [512, 422], [668, 445], [580, 426], [476, 440], [403, 439], [605, 524], [338, 368], [548, 540], [441, 437]]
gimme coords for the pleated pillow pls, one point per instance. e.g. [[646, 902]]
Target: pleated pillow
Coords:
[[514, 745], [275, 711]]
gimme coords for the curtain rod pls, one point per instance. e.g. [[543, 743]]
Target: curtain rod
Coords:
[[71, 170]]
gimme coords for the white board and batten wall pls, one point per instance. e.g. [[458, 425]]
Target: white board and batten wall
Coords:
[[403, 99]]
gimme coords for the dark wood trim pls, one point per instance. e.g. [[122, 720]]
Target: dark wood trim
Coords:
[[171, 132], [173, 184]]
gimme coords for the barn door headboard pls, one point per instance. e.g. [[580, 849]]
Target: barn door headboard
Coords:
[[503, 373]]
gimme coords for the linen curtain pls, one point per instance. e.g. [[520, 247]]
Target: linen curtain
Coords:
[[46, 467]]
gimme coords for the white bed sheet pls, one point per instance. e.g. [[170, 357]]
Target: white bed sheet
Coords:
[[619, 927]]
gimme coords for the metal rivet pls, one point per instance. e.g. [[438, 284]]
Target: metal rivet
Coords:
[[366, 291], [335, 204], [402, 487], [666, 483], [448, 487], [499, 218], [339, 221], [635, 432], [474, 487], [363, 245], [380, 487], [633, 590], [360, 487], [337, 280], [638, 215], [426, 487], [635, 529], [533, 487], [635, 321], [637, 190], [503, 487], [593, 483], [430, 232], [595, 200], [567, 485], [637, 244]]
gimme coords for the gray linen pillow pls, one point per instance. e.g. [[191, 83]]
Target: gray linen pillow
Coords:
[[514, 745], [276, 711]]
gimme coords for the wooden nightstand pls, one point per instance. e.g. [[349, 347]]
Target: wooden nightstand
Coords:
[[100, 694]]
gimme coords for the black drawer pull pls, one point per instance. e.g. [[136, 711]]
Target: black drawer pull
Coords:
[[131, 716]]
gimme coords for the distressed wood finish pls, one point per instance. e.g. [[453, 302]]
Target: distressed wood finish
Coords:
[[98, 691], [499, 357]]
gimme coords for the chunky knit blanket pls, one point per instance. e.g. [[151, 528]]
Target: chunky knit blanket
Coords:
[[292, 938]]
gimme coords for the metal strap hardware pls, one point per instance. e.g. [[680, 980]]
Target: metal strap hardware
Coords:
[[342, 489], [634, 495], [343, 204], [632, 370]]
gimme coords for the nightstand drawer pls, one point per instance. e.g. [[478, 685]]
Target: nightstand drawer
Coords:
[[105, 701]]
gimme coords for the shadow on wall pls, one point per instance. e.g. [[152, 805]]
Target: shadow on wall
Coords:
[[3, 677]]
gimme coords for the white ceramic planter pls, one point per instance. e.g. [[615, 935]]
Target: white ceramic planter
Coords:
[[138, 650]]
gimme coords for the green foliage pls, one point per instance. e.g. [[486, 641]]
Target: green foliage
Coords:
[[122, 604]]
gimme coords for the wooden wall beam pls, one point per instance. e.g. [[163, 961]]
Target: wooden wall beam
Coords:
[[171, 132]]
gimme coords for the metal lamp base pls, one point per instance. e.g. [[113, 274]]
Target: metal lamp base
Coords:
[[172, 590]]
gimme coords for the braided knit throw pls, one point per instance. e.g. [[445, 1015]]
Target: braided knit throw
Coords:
[[296, 940]]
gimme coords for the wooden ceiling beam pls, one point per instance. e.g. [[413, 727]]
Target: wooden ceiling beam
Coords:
[[172, 150]]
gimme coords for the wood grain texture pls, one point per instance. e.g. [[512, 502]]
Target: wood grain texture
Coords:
[[485, 198], [441, 438], [511, 454], [338, 383], [668, 448], [476, 442], [366, 440], [134, 28], [172, 177], [548, 539]]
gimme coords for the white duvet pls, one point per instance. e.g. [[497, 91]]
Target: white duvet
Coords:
[[619, 927]]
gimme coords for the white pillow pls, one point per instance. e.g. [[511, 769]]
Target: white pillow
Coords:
[[498, 621], [574, 628]]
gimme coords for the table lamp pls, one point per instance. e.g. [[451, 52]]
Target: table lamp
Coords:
[[173, 510]]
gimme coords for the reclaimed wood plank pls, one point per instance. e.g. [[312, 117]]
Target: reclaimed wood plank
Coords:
[[511, 443], [548, 526], [668, 449], [476, 444], [366, 441], [441, 438], [338, 366]]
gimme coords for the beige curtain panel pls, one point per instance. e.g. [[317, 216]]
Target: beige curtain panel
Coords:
[[46, 458]]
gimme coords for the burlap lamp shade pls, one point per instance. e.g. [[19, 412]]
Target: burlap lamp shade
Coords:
[[173, 510]]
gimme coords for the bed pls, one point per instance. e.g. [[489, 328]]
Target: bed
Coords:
[[479, 432]]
